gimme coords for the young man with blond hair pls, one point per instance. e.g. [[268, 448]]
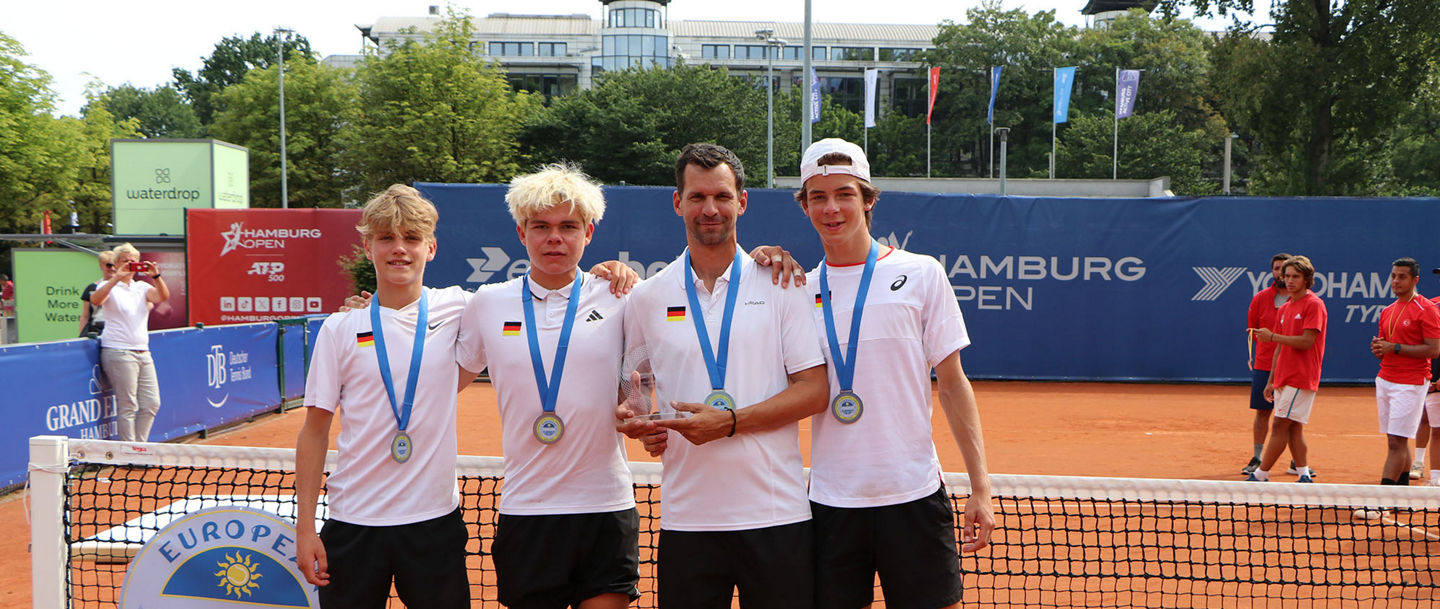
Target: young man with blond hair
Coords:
[[889, 317], [553, 341], [1295, 372], [390, 372]]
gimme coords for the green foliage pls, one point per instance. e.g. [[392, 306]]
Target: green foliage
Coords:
[[1324, 93], [159, 112], [435, 111], [1152, 144], [630, 127], [228, 64], [359, 269], [1029, 46], [47, 162], [320, 103]]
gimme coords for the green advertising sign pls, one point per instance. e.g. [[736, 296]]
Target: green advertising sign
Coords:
[[156, 180], [48, 284]]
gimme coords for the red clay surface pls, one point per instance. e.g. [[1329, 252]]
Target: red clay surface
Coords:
[[1069, 429]]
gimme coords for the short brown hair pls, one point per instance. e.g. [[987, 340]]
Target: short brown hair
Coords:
[[708, 156], [868, 192], [1303, 266], [399, 209]]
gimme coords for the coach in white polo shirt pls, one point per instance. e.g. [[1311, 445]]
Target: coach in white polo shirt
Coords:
[[390, 372], [888, 317], [553, 339], [735, 513]]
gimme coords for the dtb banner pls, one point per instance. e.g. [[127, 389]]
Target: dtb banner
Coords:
[[263, 264], [1080, 289]]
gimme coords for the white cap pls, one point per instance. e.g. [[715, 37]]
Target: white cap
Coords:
[[859, 166]]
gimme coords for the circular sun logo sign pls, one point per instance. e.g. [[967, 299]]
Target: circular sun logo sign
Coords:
[[238, 575]]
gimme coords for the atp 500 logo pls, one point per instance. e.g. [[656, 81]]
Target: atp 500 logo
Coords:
[[272, 271]]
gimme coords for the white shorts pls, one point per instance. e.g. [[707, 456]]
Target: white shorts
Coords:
[[1432, 406], [1294, 404], [1399, 407]]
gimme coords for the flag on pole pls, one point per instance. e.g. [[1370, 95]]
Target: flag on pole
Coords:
[[871, 75], [45, 223], [1127, 84], [934, 87], [994, 87], [1064, 81], [814, 97]]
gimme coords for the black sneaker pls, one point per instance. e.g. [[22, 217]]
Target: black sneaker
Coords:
[[1250, 467]]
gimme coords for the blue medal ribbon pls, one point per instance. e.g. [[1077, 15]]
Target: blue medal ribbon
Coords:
[[417, 354], [714, 359], [549, 391], [845, 366]]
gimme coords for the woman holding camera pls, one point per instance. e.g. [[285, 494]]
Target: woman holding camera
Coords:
[[125, 342]]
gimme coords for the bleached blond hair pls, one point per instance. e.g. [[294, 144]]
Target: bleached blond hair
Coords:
[[400, 209], [555, 184], [106, 257], [126, 248]]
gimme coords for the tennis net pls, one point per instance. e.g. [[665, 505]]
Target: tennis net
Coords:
[[1062, 542]]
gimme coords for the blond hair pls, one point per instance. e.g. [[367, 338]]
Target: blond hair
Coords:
[[106, 257], [555, 184], [400, 209], [125, 248]]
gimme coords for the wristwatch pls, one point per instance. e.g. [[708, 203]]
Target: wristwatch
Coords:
[[1397, 348]]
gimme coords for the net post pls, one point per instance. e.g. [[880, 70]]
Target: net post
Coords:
[[49, 457]]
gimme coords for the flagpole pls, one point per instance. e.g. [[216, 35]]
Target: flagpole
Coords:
[[1055, 109], [927, 150], [1115, 152]]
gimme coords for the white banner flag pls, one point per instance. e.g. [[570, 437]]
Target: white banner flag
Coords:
[[870, 77]]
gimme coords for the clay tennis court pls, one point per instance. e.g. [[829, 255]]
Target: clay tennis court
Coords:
[[1196, 432]]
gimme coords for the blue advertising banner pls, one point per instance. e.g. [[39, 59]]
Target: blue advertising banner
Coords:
[[208, 377], [1059, 289]]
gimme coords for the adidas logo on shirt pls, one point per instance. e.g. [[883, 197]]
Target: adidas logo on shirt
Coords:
[[594, 316]]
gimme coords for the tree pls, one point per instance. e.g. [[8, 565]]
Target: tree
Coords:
[[1152, 144], [1029, 47], [320, 103], [232, 58], [1351, 70], [435, 111], [632, 124], [159, 112]]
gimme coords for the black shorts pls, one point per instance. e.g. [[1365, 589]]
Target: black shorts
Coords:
[[1258, 380], [556, 561], [771, 567], [911, 545], [426, 560]]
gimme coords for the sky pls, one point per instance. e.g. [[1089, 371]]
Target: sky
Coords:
[[140, 41]]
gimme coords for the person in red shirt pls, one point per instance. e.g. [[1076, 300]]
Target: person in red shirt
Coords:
[[1409, 337], [1263, 308], [1295, 371]]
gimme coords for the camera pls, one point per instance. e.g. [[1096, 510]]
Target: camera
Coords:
[[136, 267]]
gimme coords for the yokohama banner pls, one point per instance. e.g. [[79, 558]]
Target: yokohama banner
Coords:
[[251, 265]]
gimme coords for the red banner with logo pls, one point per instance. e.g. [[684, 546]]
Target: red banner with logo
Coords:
[[934, 88], [261, 264]]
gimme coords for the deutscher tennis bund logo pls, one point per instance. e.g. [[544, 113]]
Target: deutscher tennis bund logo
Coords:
[[220, 557]]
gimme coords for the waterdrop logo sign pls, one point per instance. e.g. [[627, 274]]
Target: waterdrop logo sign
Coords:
[[1216, 280], [215, 373], [220, 557]]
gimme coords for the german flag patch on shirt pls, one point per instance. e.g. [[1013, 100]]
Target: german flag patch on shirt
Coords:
[[511, 328], [675, 314], [365, 339]]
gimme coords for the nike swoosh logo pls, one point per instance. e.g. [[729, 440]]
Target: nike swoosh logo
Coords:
[[434, 325]]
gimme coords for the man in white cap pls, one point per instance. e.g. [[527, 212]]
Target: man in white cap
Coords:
[[889, 316]]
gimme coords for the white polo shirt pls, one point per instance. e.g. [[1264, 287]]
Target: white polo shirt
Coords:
[[585, 471], [368, 487], [127, 316], [751, 480], [911, 323]]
